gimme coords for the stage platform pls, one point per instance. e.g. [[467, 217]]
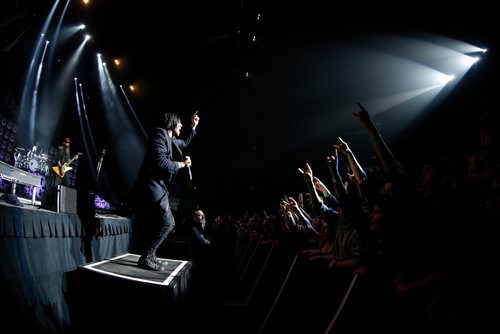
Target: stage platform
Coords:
[[40, 252], [125, 267], [129, 296]]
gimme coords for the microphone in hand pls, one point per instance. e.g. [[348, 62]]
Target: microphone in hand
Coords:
[[187, 161]]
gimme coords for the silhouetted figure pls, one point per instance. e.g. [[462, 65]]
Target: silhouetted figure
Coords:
[[153, 219]]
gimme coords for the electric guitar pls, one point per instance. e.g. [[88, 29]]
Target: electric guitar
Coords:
[[61, 170]]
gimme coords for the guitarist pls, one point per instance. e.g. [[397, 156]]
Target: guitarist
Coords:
[[63, 158]]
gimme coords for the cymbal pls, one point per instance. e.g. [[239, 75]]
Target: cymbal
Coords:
[[20, 149]]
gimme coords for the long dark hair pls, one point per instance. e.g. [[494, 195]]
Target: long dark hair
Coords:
[[170, 121]]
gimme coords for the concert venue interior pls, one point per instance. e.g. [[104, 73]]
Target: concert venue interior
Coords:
[[276, 85]]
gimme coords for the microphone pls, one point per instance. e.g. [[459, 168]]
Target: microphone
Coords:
[[99, 164], [189, 170]]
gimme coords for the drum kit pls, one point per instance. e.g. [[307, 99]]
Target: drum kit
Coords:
[[31, 161]]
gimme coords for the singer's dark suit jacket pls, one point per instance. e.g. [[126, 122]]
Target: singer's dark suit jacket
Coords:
[[158, 168]]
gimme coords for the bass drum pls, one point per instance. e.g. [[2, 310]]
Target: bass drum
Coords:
[[33, 165]]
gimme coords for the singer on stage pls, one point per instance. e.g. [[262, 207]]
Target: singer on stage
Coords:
[[153, 219]]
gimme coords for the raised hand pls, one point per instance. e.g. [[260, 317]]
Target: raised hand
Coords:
[[308, 170], [342, 147], [320, 186], [333, 159], [195, 119], [293, 203], [363, 116]]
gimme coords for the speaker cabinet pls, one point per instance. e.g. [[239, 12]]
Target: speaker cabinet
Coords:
[[60, 199]]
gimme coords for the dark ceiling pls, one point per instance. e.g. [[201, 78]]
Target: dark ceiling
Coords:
[[193, 55]]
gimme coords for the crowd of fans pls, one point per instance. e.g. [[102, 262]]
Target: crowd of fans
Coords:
[[392, 251]]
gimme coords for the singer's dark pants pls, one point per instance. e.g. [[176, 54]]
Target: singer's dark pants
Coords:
[[150, 228]]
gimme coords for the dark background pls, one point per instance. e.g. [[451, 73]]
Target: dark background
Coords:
[[253, 134]]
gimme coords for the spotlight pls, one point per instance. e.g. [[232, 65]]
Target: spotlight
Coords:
[[470, 60], [443, 79], [477, 53], [82, 26], [87, 37]]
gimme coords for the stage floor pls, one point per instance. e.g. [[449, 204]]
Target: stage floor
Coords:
[[125, 267]]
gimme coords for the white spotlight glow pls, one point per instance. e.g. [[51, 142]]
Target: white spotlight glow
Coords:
[[443, 79], [82, 26], [87, 37], [469, 61]]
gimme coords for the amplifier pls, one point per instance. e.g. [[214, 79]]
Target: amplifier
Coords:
[[60, 199]]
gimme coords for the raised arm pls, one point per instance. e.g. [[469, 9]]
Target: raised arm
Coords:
[[182, 143], [359, 173], [302, 217], [195, 119], [327, 194], [382, 151], [333, 165], [316, 200]]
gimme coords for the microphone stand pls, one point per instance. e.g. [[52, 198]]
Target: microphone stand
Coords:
[[99, 165]]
